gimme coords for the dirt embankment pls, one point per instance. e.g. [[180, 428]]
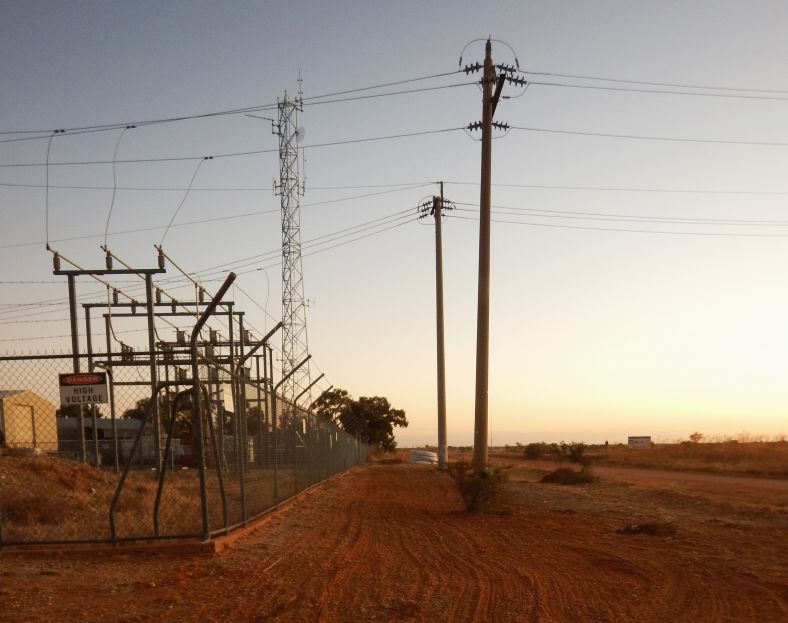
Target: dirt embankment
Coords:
[[393, 543]]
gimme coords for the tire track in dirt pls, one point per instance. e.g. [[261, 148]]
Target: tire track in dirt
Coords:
[[393, 543]]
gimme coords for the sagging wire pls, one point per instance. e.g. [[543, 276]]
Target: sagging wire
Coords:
[[115, 178], [46, 201], [185, 195]]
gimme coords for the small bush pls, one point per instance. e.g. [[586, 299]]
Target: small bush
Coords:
[[534, 451], [477, 489], [574, 452], [568, 476]]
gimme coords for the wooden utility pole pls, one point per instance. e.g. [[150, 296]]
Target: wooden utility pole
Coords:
[[483, 309], [437, 210]]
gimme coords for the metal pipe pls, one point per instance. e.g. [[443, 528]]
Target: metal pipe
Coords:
[[198, 400], [262, 342], [153, 370], [323, 393], [107, 366], [160, 487], [93, 408], [271, 418], [274, 422], [312, 384], [127, 467], [240, 412], [72, 312]]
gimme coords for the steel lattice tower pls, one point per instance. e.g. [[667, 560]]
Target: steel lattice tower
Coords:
[[290, 188]]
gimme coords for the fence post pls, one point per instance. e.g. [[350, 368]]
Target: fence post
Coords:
[[198, 402]]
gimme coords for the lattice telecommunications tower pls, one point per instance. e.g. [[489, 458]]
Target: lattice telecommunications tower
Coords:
[[290, 188]]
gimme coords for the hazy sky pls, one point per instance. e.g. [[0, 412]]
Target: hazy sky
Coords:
[[637, 284]]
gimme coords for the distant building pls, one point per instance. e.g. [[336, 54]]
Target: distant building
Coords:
[[639, 442], [27, 420]]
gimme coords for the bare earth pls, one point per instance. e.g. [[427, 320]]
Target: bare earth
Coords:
[[394, 543]]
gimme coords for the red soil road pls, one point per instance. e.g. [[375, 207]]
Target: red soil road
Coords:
[[393, 543]]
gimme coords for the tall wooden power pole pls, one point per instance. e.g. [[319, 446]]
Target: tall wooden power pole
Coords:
[[442, 447], [483, 305]]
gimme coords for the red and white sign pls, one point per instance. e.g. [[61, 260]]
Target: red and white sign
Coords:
[[83, 388]]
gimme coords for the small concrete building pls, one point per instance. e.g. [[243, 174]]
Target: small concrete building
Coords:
[[27, 420]]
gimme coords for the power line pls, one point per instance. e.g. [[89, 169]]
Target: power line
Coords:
[[629, 189], [183, 200], [382, 85], [406, 186], [231, 154], [215, 189], [341, 244], [630, 231], [679, 85], [376, 95], [627, 217], [650, 138], [213, 219], [268, 255], [596, 87], [140, 229], [219, 113]]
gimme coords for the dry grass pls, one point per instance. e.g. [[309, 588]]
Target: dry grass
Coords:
[[45, 498], [751, 458]]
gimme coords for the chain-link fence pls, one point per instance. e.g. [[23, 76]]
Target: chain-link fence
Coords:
[[189, 444]]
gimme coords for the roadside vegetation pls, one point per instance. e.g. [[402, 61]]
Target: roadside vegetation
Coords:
[[575, 453], [479, 490], [767, 459], [742, 456]]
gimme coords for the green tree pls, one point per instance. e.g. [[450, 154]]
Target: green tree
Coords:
[[371, 418], [331, 404]]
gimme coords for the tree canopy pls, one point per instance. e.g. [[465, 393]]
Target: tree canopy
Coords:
[[371, 418]]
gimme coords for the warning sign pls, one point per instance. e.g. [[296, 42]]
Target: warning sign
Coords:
[[83, 388]]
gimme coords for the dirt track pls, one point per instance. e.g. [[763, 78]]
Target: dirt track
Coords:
[[393, 543]]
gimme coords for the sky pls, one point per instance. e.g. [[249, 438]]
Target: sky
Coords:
[[636, 283]]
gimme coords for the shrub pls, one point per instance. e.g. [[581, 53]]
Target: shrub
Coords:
[[477, 488], [534, 451], [568, 476], [574, 452]]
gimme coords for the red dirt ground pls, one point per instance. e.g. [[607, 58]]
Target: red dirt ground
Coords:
[[394, 543]]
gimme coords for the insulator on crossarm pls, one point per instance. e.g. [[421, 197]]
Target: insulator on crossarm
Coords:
[[520, 82]]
